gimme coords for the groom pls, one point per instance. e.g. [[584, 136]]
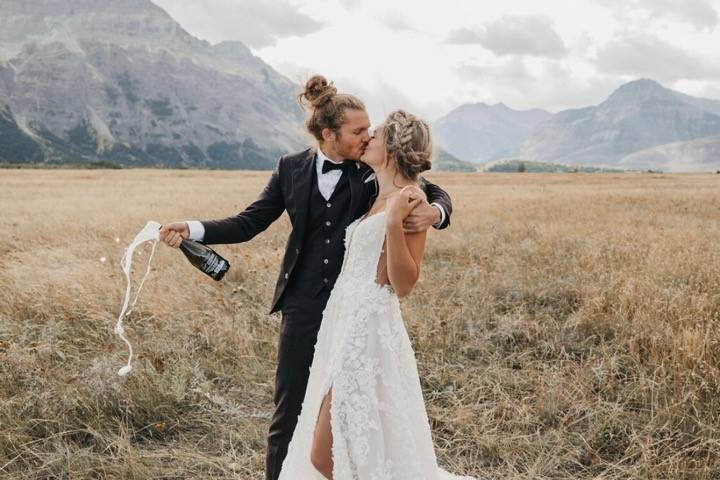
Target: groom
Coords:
[[323, 189]]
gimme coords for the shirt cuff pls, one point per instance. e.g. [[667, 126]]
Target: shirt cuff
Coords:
[[197, 230], [442, 214]]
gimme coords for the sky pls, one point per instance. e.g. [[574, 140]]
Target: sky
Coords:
[[429, 57]]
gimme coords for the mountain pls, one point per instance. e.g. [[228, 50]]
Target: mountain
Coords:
[[699, 155], [14, 142], [638, 116], [480, 132], [120, 80], [447, 162]]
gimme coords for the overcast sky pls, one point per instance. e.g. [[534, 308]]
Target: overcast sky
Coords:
[[430, 57]]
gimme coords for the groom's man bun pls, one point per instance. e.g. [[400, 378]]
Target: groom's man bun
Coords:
[[318, 91], [327, 107], [407, 139]]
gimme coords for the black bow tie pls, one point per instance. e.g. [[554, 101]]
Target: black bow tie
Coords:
[[328, 165]]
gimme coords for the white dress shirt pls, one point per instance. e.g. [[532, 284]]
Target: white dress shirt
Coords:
[[326, 181], [326, 184]]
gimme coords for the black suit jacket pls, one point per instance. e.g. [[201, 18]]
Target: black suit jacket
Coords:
[[289, 189]]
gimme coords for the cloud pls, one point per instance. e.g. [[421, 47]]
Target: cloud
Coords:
[[699, 13], [711, 91], [257, 23], [512, 69], [526, 35], [648, 56], [395, 20], [551, 84], [350, 4], [464, 36]]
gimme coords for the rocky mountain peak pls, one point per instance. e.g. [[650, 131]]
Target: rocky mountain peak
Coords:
[[119, 22], [122, 80], [639, 90]]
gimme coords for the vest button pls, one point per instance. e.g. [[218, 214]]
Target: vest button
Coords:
[[327, 240], [297, 251], [325, 280], [287, 275], [329, 204], [325, 261], [327, 223]]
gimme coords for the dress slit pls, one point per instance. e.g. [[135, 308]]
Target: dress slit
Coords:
[[317, 418]]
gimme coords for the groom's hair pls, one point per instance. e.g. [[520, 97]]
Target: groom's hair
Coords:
[[327, 107]]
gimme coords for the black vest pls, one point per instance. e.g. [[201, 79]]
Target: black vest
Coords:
[[323, 246]]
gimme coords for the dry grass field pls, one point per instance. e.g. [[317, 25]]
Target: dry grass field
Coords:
[[566, 326]]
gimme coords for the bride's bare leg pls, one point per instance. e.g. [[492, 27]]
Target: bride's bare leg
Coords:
[[321, 453]]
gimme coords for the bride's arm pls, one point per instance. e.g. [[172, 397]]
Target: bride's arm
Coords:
[[403, 251]]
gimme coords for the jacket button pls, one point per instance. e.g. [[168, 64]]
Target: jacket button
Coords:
[[327, 223], [297, 251], [287, 275], [325, 261]]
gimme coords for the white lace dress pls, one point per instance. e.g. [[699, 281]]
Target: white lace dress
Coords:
[[379, 424]]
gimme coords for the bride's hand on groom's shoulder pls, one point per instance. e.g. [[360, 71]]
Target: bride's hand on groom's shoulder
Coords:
[[405, 208]]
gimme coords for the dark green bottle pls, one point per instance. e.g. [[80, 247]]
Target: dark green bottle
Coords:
[[205, 259]]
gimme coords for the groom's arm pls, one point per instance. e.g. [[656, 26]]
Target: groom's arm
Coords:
[[436, 212], [243, 226], [440, 203]]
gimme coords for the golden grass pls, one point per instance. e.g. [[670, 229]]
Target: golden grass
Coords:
[[565, 327]]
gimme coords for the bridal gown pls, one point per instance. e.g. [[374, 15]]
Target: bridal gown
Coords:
[[379, 424]]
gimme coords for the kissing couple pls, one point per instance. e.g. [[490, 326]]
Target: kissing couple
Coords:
[[348, 400]]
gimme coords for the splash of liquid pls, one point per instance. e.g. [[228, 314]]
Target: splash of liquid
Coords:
[[150, 233]]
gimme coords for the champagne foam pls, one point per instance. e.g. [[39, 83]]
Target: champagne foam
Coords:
[[149, 233]]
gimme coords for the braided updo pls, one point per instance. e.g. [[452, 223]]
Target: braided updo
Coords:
[[326, 105], [407, 140]]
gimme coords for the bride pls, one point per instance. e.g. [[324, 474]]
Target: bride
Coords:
[[363, 416]]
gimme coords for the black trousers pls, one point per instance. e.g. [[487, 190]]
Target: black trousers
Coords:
[[301, 318]]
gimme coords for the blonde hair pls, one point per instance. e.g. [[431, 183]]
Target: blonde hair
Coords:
[[327, 106], [407, 140]]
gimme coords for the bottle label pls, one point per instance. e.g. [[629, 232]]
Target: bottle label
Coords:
[[213, 265], [209, 264], [219, 268]]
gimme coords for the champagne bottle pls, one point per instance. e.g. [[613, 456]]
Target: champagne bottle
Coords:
[[205, 258]]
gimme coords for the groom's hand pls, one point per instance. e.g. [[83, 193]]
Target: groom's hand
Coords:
[[173, 234], [421, 218]]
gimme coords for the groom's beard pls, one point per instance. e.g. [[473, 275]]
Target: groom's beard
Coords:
[[356, 157], [351, 153]]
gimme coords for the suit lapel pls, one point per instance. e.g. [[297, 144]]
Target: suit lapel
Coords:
[[302, 189], [356, 187]]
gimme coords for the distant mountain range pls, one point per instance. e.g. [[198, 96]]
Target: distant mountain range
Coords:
[[480, 132], [121, 81], [446, 162], [702, 154], [641, 126]]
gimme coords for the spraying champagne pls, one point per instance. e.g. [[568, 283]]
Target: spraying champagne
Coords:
[[201, 256]]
